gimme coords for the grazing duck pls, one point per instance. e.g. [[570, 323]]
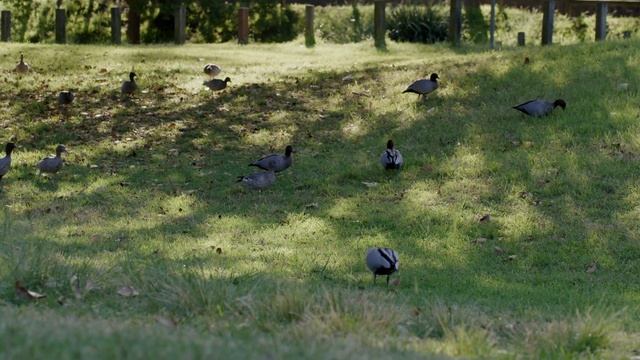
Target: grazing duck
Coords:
[[5, 162], [259, 180], [423, 87], [538, 108], [275, 162], [217, 84], [382, 261], [22, 66], [129, 86], [65, 97], [391, 157], [52, 164], [212, 70]]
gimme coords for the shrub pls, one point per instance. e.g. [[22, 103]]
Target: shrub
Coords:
[[273, 23], [341, 24], [417, 24]]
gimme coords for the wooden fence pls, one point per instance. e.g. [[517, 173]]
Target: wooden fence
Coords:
[[455, 23]]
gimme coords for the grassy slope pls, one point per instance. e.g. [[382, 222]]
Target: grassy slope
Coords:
[[561, 192]]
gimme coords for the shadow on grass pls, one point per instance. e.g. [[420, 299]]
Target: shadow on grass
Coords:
[[556, 188]]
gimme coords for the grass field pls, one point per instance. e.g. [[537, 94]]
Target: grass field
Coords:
[[148, 199]]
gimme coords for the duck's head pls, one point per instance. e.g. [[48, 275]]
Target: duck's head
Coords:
[[9, 148], [288, 150], [434, 77], [227, 79], [60, 149], [132, 76], [560, 103], [21, 58], [390, 144]]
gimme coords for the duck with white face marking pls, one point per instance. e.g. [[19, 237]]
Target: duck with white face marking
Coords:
[[423, 87], [382, 261], [391, 158], [52, 164], [539, 108], [258, 181], [276, 162], [5, 162], [217, 84], [129, 86]]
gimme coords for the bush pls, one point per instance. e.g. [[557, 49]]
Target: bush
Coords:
[[273, 23], [417, 24], [342, 24]]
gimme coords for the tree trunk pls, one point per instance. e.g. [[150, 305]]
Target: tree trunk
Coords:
[[133, 26]]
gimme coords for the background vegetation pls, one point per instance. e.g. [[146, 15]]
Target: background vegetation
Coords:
[[216, 21]]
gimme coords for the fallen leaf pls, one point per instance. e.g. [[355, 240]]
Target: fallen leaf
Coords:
[[479, 240], [128, 291], [512, 257], [168, 322], [311, 206], [347, 78], [75, 286], [370, 184], [592, 268], [485, 218], [27, 294], [498, 250]]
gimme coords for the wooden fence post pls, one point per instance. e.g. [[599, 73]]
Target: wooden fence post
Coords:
[[492, 26], [455, 22], [243, 25], [133, 26], [309, 31], [61, 26], [547, 22], [379, 29], [116, 26], [601, 21], [5, 25], [180, 24], [521, 39]]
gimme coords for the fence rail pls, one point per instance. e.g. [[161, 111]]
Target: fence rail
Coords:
[[600, 7]]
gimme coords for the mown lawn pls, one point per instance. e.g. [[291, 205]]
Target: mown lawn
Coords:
[[148, 199]]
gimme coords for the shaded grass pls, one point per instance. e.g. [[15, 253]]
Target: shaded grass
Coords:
[[148, 196]]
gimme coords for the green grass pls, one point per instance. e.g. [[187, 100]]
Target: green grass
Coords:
[[290, 281]]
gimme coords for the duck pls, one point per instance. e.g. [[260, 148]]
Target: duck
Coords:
[[5, 162], [275, 162], [129, 86], [22, 66], [65, 97], [382, 261], [423, 87], [212, 70], [52, 164], [217, 84], [391, 158], [539, 108], [258, 180]]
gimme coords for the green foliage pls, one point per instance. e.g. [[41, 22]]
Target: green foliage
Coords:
[[344, 24], [273, 22], [417, 24], [579, 27], [475, 26]]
